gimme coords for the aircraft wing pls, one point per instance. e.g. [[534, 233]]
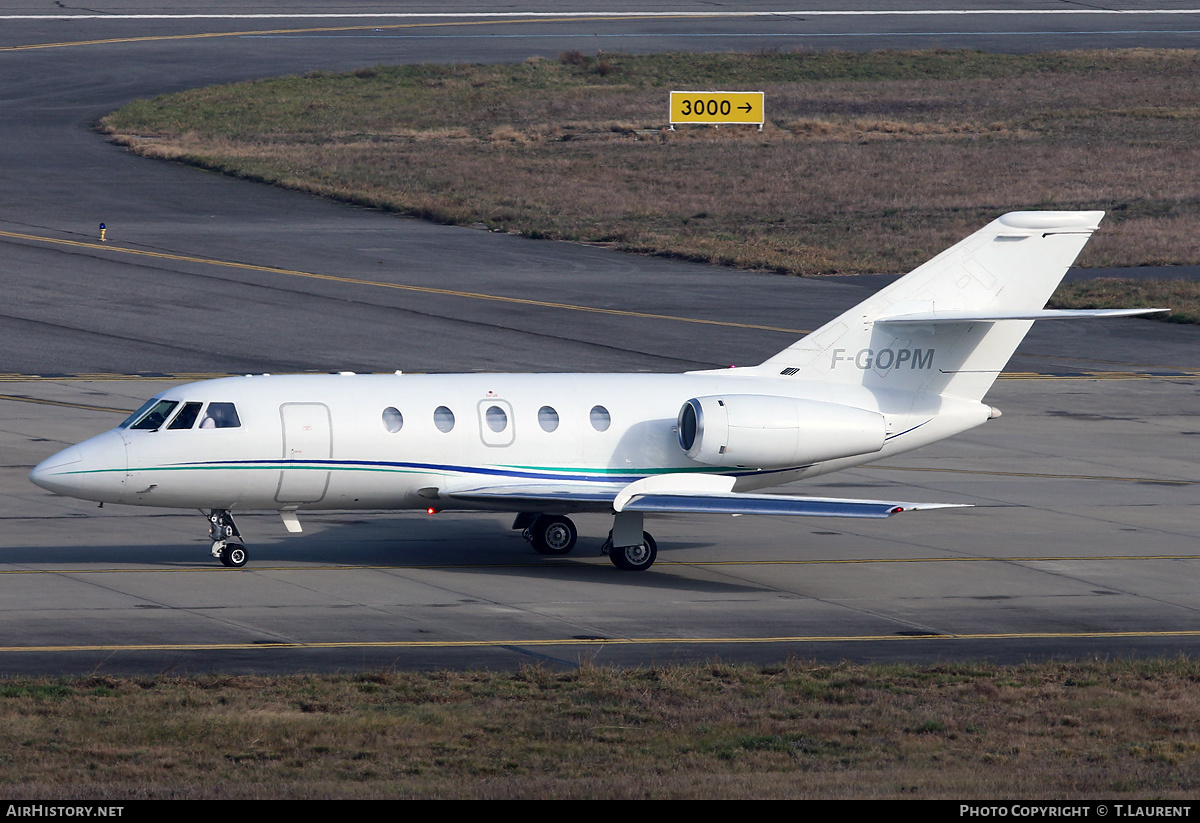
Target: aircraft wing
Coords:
[[735, 503], [714, 493], [680, 493], [534, 496]]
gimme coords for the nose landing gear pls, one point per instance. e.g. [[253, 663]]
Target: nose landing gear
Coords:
[[227, 540]]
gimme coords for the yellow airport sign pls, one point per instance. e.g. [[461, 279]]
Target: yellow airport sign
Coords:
[[716, 107]]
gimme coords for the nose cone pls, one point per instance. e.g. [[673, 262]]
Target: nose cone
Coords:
[[92, 470], [57, 473]]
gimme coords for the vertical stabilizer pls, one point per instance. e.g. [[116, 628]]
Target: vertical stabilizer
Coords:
[[965, 312]]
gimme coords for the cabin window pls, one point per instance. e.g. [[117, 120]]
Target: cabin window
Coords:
[[157, 415], [220, 416], [600, 418], [393, 420], [548, 418], [186, 417], [496, 419], [443, 418]]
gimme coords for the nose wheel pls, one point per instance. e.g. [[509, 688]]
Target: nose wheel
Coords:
[[227, 540], [233, 555]]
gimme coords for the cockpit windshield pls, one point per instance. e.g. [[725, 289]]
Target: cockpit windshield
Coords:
[[145, 407], [156, 416]]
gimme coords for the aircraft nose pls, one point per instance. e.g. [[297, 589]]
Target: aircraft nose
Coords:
[[55, 473], [92, 470]]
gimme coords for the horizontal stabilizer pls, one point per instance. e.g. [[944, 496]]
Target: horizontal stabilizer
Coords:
[[992, 316]]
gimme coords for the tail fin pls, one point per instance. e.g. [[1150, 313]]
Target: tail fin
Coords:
[[950, 325]]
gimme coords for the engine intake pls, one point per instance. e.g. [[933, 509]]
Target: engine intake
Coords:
[[761, 431]]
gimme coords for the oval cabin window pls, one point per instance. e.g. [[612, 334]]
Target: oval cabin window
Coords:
[[600, 418], [393, 420], [547, 418], [497, 420], [443, 418]]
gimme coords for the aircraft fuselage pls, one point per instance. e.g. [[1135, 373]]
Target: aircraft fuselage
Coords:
[[393, 441]]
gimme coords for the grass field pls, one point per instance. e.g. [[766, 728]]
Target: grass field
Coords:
[[868, 162], [1113, 730]]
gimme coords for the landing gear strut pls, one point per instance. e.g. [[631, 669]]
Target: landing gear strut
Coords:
[[548, 533], [227, 540]]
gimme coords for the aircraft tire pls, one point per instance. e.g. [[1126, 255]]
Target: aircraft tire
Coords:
[[234, 555], [635, 558], [552, 534]]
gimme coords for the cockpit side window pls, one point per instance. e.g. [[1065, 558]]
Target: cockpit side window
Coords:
[[220, 416], [158, 414], [186, 417]]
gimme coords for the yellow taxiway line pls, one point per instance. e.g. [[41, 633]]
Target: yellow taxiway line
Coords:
[[600, 641], [329, 29], [16, 398], [598, 564], [1181, 374], [207, 261], [1171, 374]]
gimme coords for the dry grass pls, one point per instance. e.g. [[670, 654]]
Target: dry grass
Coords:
[[869, 163], [801, 730]]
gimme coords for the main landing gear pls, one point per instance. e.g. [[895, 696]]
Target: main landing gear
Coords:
[[632, 558], [548, 533], [227, 540], [628, 547]]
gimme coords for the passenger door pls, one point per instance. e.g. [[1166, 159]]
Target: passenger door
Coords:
[[307, 446]]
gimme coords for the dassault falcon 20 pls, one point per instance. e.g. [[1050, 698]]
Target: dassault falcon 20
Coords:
[[907, 367]]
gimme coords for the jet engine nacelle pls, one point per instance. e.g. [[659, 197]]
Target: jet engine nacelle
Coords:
[[760, 431]]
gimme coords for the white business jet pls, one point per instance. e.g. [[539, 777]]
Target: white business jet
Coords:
[[907, 367]]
